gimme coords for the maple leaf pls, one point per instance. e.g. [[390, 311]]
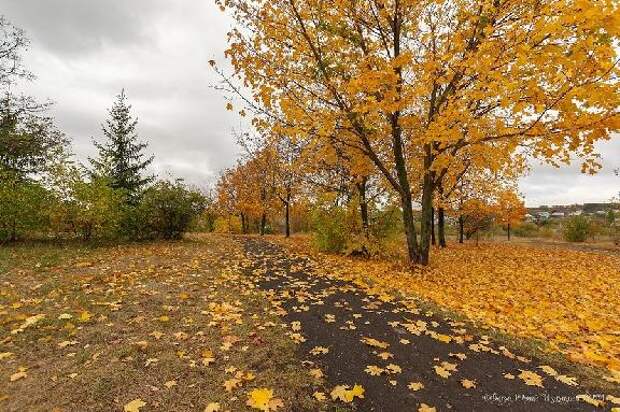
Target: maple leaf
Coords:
[[392, 368], [415, 386], [375, 343], [614, 377], [588, 399], [426, 408], [212, 407], [613, 399], [134, 406], [30, 321], [207, 357], [468, 384], [318, 350], [5, 355], [316, 373], [18, 375], [440, 337], [85, 316], [442, 372], [531, 378], [262, 399], [449, 366], [374, 370], [231, 384], [567, 380], [548, 370], [385, 355], [297, 337], [345, 394], [319, 396], [170, 384], [156, 334]]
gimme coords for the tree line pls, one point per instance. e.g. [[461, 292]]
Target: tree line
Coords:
[[428, 105], [44, 192]]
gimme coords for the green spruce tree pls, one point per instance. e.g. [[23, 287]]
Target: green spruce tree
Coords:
[[121, 159]]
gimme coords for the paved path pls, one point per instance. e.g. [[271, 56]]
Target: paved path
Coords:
[[408, 346]]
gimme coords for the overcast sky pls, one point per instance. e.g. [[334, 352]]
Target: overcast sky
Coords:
[[84, 52]]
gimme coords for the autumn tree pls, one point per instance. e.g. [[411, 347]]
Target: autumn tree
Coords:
[[13, 43], [509, 210], [29, 142], [406, 81]]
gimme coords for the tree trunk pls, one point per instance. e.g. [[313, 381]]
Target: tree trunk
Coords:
[[441, 227], [508, 231], [14, 230], [244, 228], [433, 240], [263, 222], [400, 162], [361, 187], [461, 228], [425, 227], [287, 206]]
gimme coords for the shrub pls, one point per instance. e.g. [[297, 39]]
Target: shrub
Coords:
[[230, 224], [527, 229], [23, 205], [546, 232], [166, 210], [330, 229], [576, 229], [95, 209]]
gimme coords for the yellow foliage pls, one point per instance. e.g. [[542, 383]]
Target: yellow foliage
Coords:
[[570, 299]]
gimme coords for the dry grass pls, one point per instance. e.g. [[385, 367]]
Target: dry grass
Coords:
[[142, 319]]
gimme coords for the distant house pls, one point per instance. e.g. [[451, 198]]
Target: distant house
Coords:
[[544, 215], [576, 213], [557, 215]]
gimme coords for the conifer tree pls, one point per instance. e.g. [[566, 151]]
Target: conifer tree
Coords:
[[121, 157]]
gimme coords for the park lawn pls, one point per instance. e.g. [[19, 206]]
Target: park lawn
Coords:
[[173, 326], [547, 301]]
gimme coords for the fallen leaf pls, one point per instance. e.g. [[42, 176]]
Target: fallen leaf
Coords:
[[374, 370], [212, 407], [468, 384], [531, 378], [415, 386], [345, 394], [134, 406], [588, 399]]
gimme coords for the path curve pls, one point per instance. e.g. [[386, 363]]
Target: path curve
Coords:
[[336, 315]]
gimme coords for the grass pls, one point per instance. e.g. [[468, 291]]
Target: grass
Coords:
[[137, 322]]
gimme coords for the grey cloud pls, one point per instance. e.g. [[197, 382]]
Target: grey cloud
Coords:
[[85, 51], [566, 185], [73, 27]]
